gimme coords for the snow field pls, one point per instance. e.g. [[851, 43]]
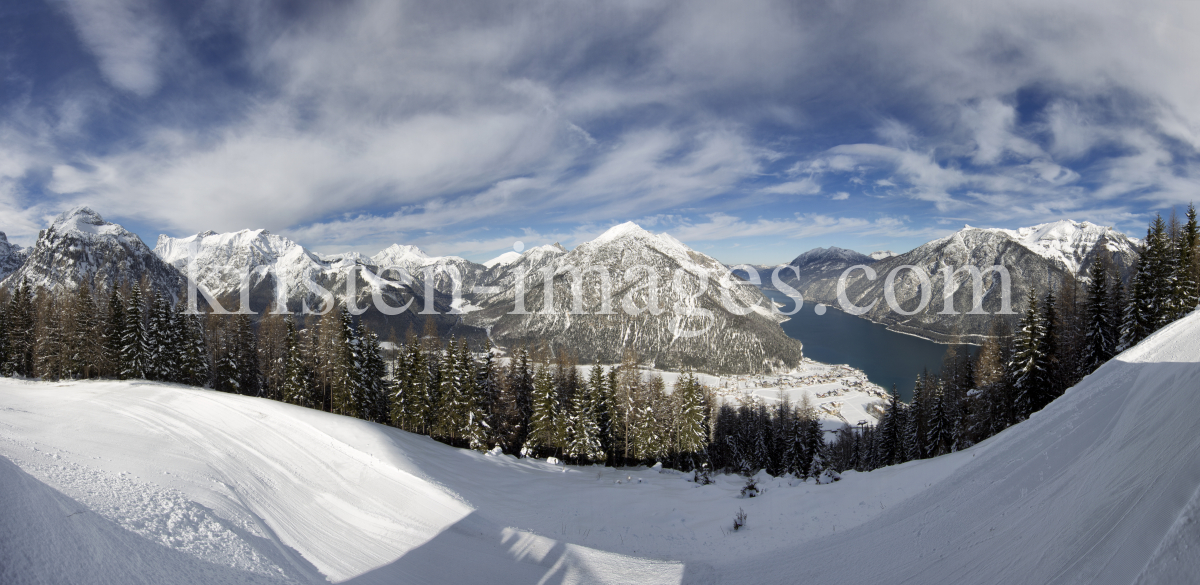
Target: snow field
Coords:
[[288, 492], [1100, 487]]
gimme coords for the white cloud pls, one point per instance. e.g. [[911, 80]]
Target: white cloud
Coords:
[[805, 186], [127, 38]]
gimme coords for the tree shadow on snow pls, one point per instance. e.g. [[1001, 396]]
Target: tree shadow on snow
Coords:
[[476, 550]]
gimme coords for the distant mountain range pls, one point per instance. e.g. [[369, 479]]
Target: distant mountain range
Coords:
[[1036, 257], [693, 329]]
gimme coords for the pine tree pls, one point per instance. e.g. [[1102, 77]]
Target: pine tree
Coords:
[[161, 347], [345, 373], [1052, 384], [690, 434], [1101, 336], [374, 398], [410, 402], [114, 330], [626, 389], [796, 456], [134, 345], [20, 324], [1030, 361], [543, 424], [196, 369], [295, 388], [940, 425], [816, 448], [599, 395], [225, 375], [476, 431], [3, 334], [487, 393], [516, 403], [1187, 289], [891, 431], [1162, 272], [50, 348], [583, 439], [86, 351]]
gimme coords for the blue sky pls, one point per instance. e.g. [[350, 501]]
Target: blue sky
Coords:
[[751, 130]]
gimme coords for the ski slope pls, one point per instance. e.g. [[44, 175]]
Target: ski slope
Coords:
[[128, 482]]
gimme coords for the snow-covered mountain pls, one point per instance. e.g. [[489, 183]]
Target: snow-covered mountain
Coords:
[[1036, 257], [810, 266], [418, 263], [693, 330], [279, 266], [79, 246], [12, 257]]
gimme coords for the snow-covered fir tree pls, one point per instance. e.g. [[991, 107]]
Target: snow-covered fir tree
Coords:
[[344, 368], [1030, 360], [374, 406], [690, 428], [296, 388], [1102, 335], [543, 422], [114, 330], [134, 345]]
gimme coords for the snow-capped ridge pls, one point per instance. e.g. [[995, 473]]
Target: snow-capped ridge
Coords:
[[503, 260], [623, 230], [84, 220]]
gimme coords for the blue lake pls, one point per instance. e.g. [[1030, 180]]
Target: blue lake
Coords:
[[885, 356]]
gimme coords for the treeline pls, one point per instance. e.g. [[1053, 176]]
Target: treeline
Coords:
[[1063, 336], [536, 403]]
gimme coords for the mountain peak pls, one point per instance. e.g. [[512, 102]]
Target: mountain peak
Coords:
[[78, 218], [620, 231], [829, 254], [400, 255]]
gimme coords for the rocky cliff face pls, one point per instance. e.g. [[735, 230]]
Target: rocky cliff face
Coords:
[[12, 257], [79, 246]]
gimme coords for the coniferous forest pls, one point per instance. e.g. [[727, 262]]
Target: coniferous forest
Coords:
[[539, 402]]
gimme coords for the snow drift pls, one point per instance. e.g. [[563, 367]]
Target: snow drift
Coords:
[[120, 482]]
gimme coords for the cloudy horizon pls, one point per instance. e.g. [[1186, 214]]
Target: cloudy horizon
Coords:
[[751, 131]]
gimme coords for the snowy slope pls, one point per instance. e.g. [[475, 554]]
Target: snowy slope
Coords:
[[1102, 486], [265, 489], [1099, 487]]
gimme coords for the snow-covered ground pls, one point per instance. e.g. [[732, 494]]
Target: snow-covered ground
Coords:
[[121, 482], [840, 394]]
